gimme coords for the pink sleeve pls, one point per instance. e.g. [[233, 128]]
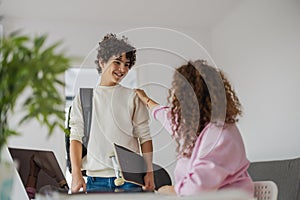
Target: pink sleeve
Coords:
[[205, 176], [211, 170], [162, 114]]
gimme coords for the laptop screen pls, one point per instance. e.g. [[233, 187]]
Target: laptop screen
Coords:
[[39, 168]]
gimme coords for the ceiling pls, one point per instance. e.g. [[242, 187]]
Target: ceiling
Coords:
[[189, 13]]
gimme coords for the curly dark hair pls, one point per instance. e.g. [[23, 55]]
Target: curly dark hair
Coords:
[[200, 94], [112, 46]]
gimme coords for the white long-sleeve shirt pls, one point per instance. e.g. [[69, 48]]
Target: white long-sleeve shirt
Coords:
[[118, 116]]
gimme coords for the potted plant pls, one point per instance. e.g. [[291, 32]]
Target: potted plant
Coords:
[[26, 63]]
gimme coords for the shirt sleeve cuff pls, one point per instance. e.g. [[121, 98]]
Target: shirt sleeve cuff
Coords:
[[76, 137], [157, 109], [143, 140]]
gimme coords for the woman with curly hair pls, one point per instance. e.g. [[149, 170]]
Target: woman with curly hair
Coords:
[[202, 118]]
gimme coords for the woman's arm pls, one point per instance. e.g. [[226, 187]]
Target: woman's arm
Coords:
[[160, 113]]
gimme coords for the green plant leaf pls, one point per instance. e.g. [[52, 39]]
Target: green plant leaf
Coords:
[[28, 64]]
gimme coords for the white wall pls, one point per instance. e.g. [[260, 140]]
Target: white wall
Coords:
[[258, 46]]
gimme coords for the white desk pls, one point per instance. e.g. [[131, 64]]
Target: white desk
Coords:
[[220, 195]]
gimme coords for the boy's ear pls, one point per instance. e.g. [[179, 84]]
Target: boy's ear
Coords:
[[101, 63]]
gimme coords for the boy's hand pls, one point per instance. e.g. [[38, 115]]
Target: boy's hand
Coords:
[[77, 183], [149, 182]]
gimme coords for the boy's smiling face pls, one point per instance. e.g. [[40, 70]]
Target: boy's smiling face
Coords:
[[114, 70]]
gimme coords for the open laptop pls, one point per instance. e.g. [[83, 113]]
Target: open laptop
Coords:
[[50, 173]]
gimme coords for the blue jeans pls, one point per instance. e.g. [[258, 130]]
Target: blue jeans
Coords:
[[101, 184]]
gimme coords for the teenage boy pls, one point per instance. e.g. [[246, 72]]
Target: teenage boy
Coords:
[[118, 116]]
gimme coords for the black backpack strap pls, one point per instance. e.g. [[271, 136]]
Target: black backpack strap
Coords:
[[68, 119], [86, 98]]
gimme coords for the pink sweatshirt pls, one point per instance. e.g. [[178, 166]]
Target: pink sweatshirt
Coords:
[[218, 160]]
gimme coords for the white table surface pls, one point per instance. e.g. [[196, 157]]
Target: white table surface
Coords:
[[219, 195]]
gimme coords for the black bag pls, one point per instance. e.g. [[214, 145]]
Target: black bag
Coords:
[[86, 98]]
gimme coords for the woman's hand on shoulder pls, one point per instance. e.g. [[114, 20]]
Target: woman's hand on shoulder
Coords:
[[142, 95], [150, 103]]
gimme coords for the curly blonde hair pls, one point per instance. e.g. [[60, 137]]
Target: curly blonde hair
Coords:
[[200, 94]]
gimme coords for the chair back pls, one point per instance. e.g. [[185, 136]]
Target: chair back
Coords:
[[265, 190]]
